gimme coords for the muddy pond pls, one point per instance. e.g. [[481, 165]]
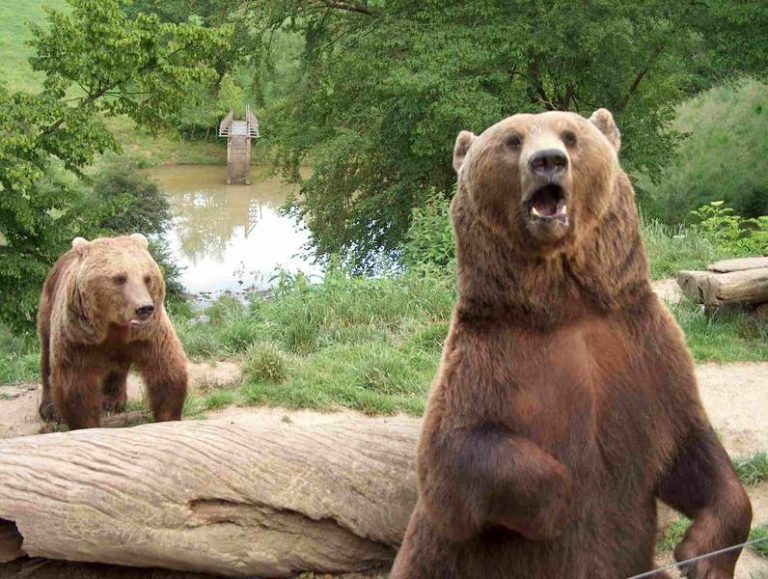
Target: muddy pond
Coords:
[[231, 238]]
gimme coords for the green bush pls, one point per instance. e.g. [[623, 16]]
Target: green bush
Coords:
[[129, 202], [732, 233], [429, 241]]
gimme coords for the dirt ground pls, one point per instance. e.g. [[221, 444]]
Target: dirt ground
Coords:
[[735, 396], [18, 403]]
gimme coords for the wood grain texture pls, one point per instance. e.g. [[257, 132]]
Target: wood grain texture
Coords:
[[239, 497]]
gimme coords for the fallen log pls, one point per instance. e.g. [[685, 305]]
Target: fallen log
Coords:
[[746, 286], [238, 497]]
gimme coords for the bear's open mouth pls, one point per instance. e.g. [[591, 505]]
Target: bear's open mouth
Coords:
[[548, 203]]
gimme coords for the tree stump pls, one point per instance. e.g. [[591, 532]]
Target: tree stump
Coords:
[[237, 497]]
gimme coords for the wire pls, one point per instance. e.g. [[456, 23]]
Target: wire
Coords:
[[699, 558]]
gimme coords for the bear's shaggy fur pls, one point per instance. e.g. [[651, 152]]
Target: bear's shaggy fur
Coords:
[[565, 403], [101, 311]]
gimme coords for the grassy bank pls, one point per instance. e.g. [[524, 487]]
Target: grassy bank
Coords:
[[165, 148], [373, 345]]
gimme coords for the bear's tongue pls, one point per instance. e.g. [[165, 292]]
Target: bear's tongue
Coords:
[[546, 202], [545, 207]]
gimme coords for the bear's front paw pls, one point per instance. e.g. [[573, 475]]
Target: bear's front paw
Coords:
[[706, 569], [715, 567], [548, 514], [48, 412], [552, 521]]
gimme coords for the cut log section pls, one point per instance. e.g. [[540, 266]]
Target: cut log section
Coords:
[[237, 497], [746, 286]]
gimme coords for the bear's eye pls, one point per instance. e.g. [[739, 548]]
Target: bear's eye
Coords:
[[120, 279], [147, 279], [514, 141], [569, 139]]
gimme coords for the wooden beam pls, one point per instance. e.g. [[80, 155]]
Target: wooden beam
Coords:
[[728, 265]]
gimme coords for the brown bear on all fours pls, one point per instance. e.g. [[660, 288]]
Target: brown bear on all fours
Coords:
[[565, 403], [101, 312]]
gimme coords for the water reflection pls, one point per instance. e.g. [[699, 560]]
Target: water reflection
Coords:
[[230, 237]]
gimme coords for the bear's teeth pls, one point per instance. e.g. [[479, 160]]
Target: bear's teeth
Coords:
[[563, 210], [535, 212]]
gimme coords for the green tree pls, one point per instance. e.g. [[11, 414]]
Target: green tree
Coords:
[[97, 62], [385, 85], [127, 201]]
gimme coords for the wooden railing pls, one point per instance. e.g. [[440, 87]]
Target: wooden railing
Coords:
[[226, 124], [253, 123]]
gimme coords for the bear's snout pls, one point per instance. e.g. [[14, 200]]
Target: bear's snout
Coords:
[[145, 311], [549, 164]]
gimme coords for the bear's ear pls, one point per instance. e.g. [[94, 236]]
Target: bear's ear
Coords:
[[79, 244], [140, 238], [463, 142], [603, 120]]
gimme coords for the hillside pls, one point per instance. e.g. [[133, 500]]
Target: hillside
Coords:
[[14, 35], [724, 155], [17, 74]]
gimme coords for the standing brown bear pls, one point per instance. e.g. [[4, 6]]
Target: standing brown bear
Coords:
[[102, 311], [566, 402]]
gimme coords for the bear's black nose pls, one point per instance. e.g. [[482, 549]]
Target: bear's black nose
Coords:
[[549, 163], [145, 311]]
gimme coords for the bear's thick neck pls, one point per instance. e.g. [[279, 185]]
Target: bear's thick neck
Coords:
[[605, 271]]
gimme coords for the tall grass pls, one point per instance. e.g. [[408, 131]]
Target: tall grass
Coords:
[[368, 344], [673, 248], [722, 337], [19, 358]]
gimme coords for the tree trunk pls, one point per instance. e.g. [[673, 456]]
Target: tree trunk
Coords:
[[241, 497]]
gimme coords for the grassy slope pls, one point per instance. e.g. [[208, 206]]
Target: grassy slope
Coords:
[[14, 33], [725, 156], [17, 74]]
